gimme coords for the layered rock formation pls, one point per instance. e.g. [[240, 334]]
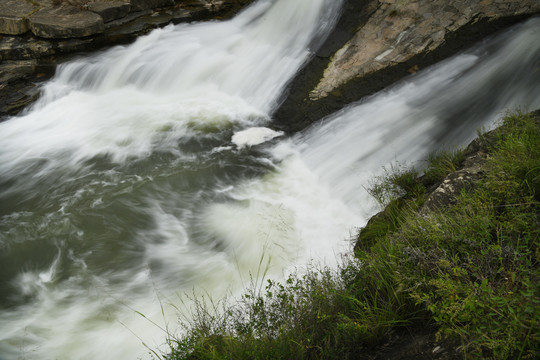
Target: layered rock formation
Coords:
[[42, 28], [378, 42], [62, 19]]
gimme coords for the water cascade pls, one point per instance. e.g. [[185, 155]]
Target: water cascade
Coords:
[[146, 172]]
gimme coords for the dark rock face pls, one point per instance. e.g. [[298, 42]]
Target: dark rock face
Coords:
[[150, 4], [17, 84]]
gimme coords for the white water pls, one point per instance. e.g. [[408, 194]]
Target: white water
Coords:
[[119, 188], [134, 179], [441, 107]]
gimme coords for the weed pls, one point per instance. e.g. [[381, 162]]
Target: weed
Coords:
[[441, 164]]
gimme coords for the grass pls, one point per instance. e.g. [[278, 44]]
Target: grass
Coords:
[[469, 271]]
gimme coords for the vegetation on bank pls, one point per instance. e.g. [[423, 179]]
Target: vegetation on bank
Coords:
[[468, 270]]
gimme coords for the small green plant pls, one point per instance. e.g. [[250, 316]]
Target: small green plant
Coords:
[[395, 183], [442, 163]]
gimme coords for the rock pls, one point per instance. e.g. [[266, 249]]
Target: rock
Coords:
[[150, 4], [14, 16], [19, 48], [452, 186], [65, 22], [17, 88], [110, 11], [404, 30], [379, 42], [15, 70]]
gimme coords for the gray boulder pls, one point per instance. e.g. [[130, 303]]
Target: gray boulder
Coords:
[[14, 16], [452, 186], [110, 11], [150, 4], [65, 22]]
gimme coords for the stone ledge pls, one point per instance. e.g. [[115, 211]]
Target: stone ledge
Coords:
[[110, 11], [150, 4], [62, 19], [26, 59], [65, 22], [14, 16]]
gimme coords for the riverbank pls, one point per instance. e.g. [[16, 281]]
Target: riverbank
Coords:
[[448, 270]]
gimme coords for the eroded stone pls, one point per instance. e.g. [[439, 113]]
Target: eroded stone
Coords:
[[150, 4], [456, 182], [110, 11], [65, 22], [14, 16]]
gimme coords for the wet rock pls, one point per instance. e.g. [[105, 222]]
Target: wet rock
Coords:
[[379, 42], [12, 71], [150, 4], [65, 22], [17, 85], [24, 48], [14, 16], [110, 11]]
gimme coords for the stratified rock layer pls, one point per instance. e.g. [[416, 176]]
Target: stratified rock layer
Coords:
[[65, 22], [150, 4]]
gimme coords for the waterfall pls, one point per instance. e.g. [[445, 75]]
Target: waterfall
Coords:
[[144, 173], [118, 187]]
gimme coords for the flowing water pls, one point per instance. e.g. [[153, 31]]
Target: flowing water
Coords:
[[146, 172]]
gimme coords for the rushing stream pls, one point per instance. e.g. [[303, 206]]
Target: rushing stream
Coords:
[[146, 172]]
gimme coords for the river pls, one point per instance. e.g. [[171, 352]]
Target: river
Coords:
[[148, 174]]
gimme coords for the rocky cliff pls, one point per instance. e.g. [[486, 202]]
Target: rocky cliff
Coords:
[[378, 42]]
